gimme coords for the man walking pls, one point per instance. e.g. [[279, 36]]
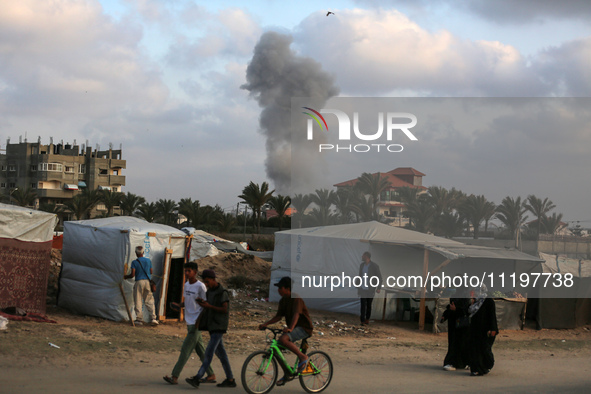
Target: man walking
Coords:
[[368, 271]]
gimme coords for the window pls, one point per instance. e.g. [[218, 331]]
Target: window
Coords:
[[69, 169], [101, 207], [57, 167], [12, 167], [115, 189], [103, 172], [82, 169], [33, 167], [3, 167], [34, 185], [2, 185], [11, 185], [115, 172]]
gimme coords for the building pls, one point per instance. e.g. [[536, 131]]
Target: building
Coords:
[[399, 177], [57, 172]]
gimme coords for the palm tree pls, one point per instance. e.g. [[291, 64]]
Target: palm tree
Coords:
[[148, 211], [323, 200], [300, 203], [362, 207], [407, 196], [111, 200], [343, 204], [450, 224], [166, 211], [552, 224], [442, 200], [256, 197], [512, 213], [373, 185], [130, 203], [226, 222], [421, 212], [24, 197], [476, 208], [539, 208], [191, 210], [280, 204]]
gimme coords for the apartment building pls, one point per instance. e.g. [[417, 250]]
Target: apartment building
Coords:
[[57, 172]]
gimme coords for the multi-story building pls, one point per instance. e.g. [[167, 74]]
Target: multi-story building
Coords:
[[57, 172], [397, 178]]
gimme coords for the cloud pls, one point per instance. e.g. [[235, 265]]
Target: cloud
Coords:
[[501, 11], [384, 52]]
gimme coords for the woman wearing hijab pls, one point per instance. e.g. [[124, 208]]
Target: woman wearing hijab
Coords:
[[456, 314], [483, 330]]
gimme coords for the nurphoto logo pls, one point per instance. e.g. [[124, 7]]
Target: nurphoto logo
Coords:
[[396, 122]]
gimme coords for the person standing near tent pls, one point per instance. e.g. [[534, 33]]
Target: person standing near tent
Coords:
[[483, 330], [192, 290], [458, 323], [368, 271], [141, 269], [217, 318]]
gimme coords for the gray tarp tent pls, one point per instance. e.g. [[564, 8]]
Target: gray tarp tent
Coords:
[[336, 250], [96, 254]]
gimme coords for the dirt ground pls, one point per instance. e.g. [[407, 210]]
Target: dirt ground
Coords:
[[97, 355]]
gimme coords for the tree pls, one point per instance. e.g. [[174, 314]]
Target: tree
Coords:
[[407, 196], [130, 203], [476, 208], [280, 204], [24, 197], [362, 207], [148, 211], [167, 211], [300, 202], [552, 224], [226, 222], [373, 185], [323, 199], [110, 199], [81, 204], [191, 210], [421, 212], [450, 224], [256, 197], [539, 208], [512, 213], [343, 205]]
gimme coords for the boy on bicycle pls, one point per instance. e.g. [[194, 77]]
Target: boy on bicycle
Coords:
[[297, 318]]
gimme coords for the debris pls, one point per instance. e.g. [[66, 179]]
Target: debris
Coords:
[[53, 345]]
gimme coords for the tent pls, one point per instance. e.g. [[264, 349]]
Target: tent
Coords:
[[205, 244], [97, 253], [25, 253], [555, 310], [335, 252]]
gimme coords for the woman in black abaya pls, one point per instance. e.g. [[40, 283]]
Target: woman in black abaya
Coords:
[[483, 330], [456, 314]]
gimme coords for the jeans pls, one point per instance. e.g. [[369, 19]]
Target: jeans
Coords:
[[215, 345], [193, 340]]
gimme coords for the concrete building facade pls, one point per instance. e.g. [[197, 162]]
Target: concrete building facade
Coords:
[[57, 172]]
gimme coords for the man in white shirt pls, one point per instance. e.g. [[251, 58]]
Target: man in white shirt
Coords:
[[193, 290]]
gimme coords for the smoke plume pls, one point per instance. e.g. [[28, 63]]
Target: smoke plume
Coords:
[[275, 75]]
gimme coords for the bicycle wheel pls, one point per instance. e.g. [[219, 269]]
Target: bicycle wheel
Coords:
[[318, 374], [259, 373]]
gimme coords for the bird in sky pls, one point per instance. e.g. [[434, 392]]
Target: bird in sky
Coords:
[[328, 13]]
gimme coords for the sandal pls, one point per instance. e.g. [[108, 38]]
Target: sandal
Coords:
[[208, 379], [302, 365], [170, 380], [283, 380]]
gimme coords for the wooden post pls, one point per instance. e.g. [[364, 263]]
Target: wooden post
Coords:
[[126, 304], [423, 291]]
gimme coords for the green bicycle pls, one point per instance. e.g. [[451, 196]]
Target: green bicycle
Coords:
[[260, 370]]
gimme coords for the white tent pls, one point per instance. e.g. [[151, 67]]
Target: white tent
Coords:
[[25, 252], [96, 254], [335, 251]]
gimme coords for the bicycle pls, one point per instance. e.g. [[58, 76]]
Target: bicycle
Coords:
[[259, 372]]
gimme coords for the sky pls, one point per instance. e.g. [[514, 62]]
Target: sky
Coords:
[[187, 88]]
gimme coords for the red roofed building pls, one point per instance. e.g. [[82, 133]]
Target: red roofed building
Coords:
[[399, 177]]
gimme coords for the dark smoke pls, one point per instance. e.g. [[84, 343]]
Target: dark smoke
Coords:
[[275, 75]]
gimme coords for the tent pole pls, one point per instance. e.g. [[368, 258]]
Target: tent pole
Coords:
[[126, 304], [423, 291]]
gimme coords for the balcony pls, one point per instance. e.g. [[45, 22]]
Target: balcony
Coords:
[[117, 180], [56, 193], [117, 163]]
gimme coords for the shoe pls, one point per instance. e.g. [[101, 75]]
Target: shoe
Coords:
[[170, 380], [208, 379], [449, 367], [193, 381], [467, 367], [302, 366], [154, 322], [476, 374], [367, 322], [227, 383], [138, 323]]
